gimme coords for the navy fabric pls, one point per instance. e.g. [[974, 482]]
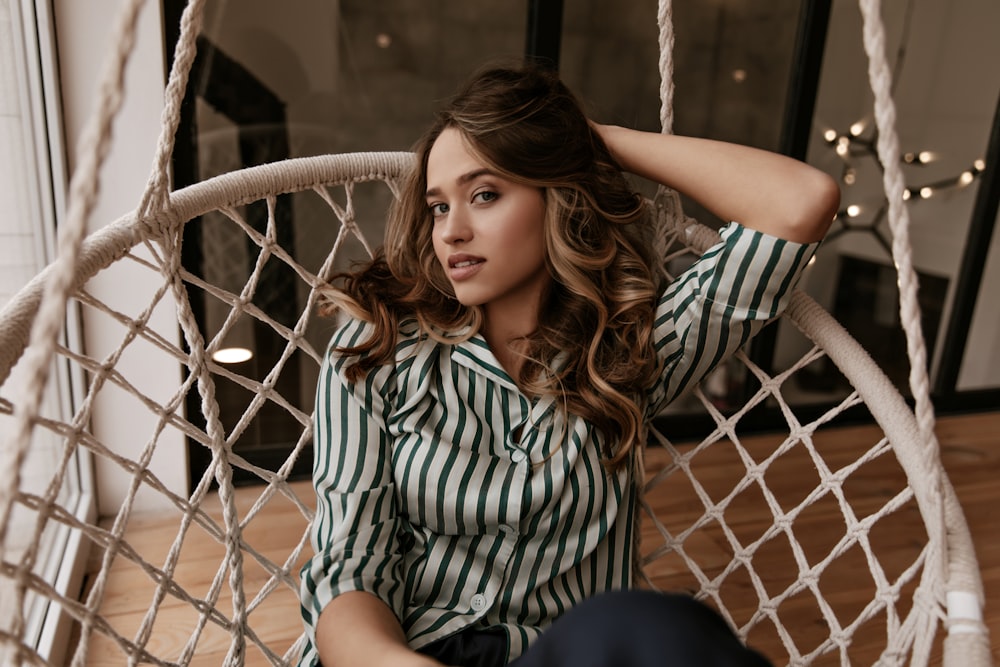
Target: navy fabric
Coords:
[[615, 629], [471, 647]]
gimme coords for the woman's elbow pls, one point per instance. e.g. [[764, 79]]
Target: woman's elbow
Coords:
[[828, 201], [819, 201]]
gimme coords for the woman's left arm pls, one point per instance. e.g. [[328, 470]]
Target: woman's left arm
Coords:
[[770, 193]]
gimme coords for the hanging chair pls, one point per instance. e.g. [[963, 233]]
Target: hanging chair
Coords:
[[765, 558]]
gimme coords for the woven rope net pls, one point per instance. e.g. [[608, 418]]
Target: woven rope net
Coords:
[[718, 518]]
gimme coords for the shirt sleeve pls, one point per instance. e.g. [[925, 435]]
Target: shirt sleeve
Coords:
[[720, 302], [354, 532]]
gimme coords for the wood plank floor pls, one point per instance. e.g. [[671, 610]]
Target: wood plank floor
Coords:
[[970, 452]]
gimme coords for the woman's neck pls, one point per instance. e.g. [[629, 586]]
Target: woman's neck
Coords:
[[503, 327]]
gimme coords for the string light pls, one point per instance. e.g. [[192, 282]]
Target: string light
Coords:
[[843, 146], [852, 145]]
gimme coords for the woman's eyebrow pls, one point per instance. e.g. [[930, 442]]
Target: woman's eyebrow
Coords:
[[462, 180]]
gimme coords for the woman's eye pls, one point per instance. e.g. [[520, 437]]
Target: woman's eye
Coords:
[[485, 196], [438, 210]]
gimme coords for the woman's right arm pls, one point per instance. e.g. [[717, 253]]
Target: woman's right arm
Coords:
[[765, 191], [352, 592], [357, 628]]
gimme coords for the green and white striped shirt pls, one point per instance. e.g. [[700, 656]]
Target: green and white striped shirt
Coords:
[[459, 502]]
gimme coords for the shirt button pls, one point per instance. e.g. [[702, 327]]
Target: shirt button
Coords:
[[517, 456], [478, 602]]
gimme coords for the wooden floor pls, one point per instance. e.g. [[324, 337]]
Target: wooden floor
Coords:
[[970, 451]]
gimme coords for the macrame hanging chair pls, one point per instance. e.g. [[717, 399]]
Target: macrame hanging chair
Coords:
[[938, 590]]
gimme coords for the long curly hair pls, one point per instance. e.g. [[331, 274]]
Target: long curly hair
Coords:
[[597, 315]]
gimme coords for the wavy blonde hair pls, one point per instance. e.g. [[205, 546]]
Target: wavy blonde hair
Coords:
[[597, 316]]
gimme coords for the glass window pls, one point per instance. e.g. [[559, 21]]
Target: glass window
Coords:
[[317, 77], [943, 123]]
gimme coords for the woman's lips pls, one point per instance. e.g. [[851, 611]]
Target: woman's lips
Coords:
[[461, 267]]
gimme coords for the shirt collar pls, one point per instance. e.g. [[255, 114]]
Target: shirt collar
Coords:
[[476, 355]]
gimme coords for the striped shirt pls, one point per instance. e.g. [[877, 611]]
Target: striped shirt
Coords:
[[458, 501]]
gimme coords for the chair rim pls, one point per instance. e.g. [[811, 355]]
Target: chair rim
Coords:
[[110, 243], [113, 241]]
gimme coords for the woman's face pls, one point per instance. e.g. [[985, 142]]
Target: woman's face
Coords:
[[488, 231]]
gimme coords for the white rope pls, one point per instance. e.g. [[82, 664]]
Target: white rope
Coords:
[[37, 359], [958, 569], [880, 77], [664, 19], [670, 220], [158, 186], [155, 198]]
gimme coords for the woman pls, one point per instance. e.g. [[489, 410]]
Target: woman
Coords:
[[480, 409]]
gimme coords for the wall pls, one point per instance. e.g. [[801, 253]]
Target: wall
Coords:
[[83, 31]]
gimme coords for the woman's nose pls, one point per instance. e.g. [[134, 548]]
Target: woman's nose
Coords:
[[455, 227]]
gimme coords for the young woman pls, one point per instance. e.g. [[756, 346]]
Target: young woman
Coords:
[[480, 408]]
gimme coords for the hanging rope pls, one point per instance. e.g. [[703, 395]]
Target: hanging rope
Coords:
[[665, 20], [158, 186], [154, 199], [968, 645], [37, 359], [880, 77]]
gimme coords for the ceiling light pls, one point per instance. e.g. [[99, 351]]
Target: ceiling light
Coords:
[[232, 355]]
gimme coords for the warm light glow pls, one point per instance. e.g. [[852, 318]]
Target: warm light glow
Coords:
[[843, 146], [850, 176], [857, 129], [739, 75], [830, 136], [907, 194], [925, 193], [966, 177], [383, 40], [925, 156], [853, 210], [232, 355], [979, 164]]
